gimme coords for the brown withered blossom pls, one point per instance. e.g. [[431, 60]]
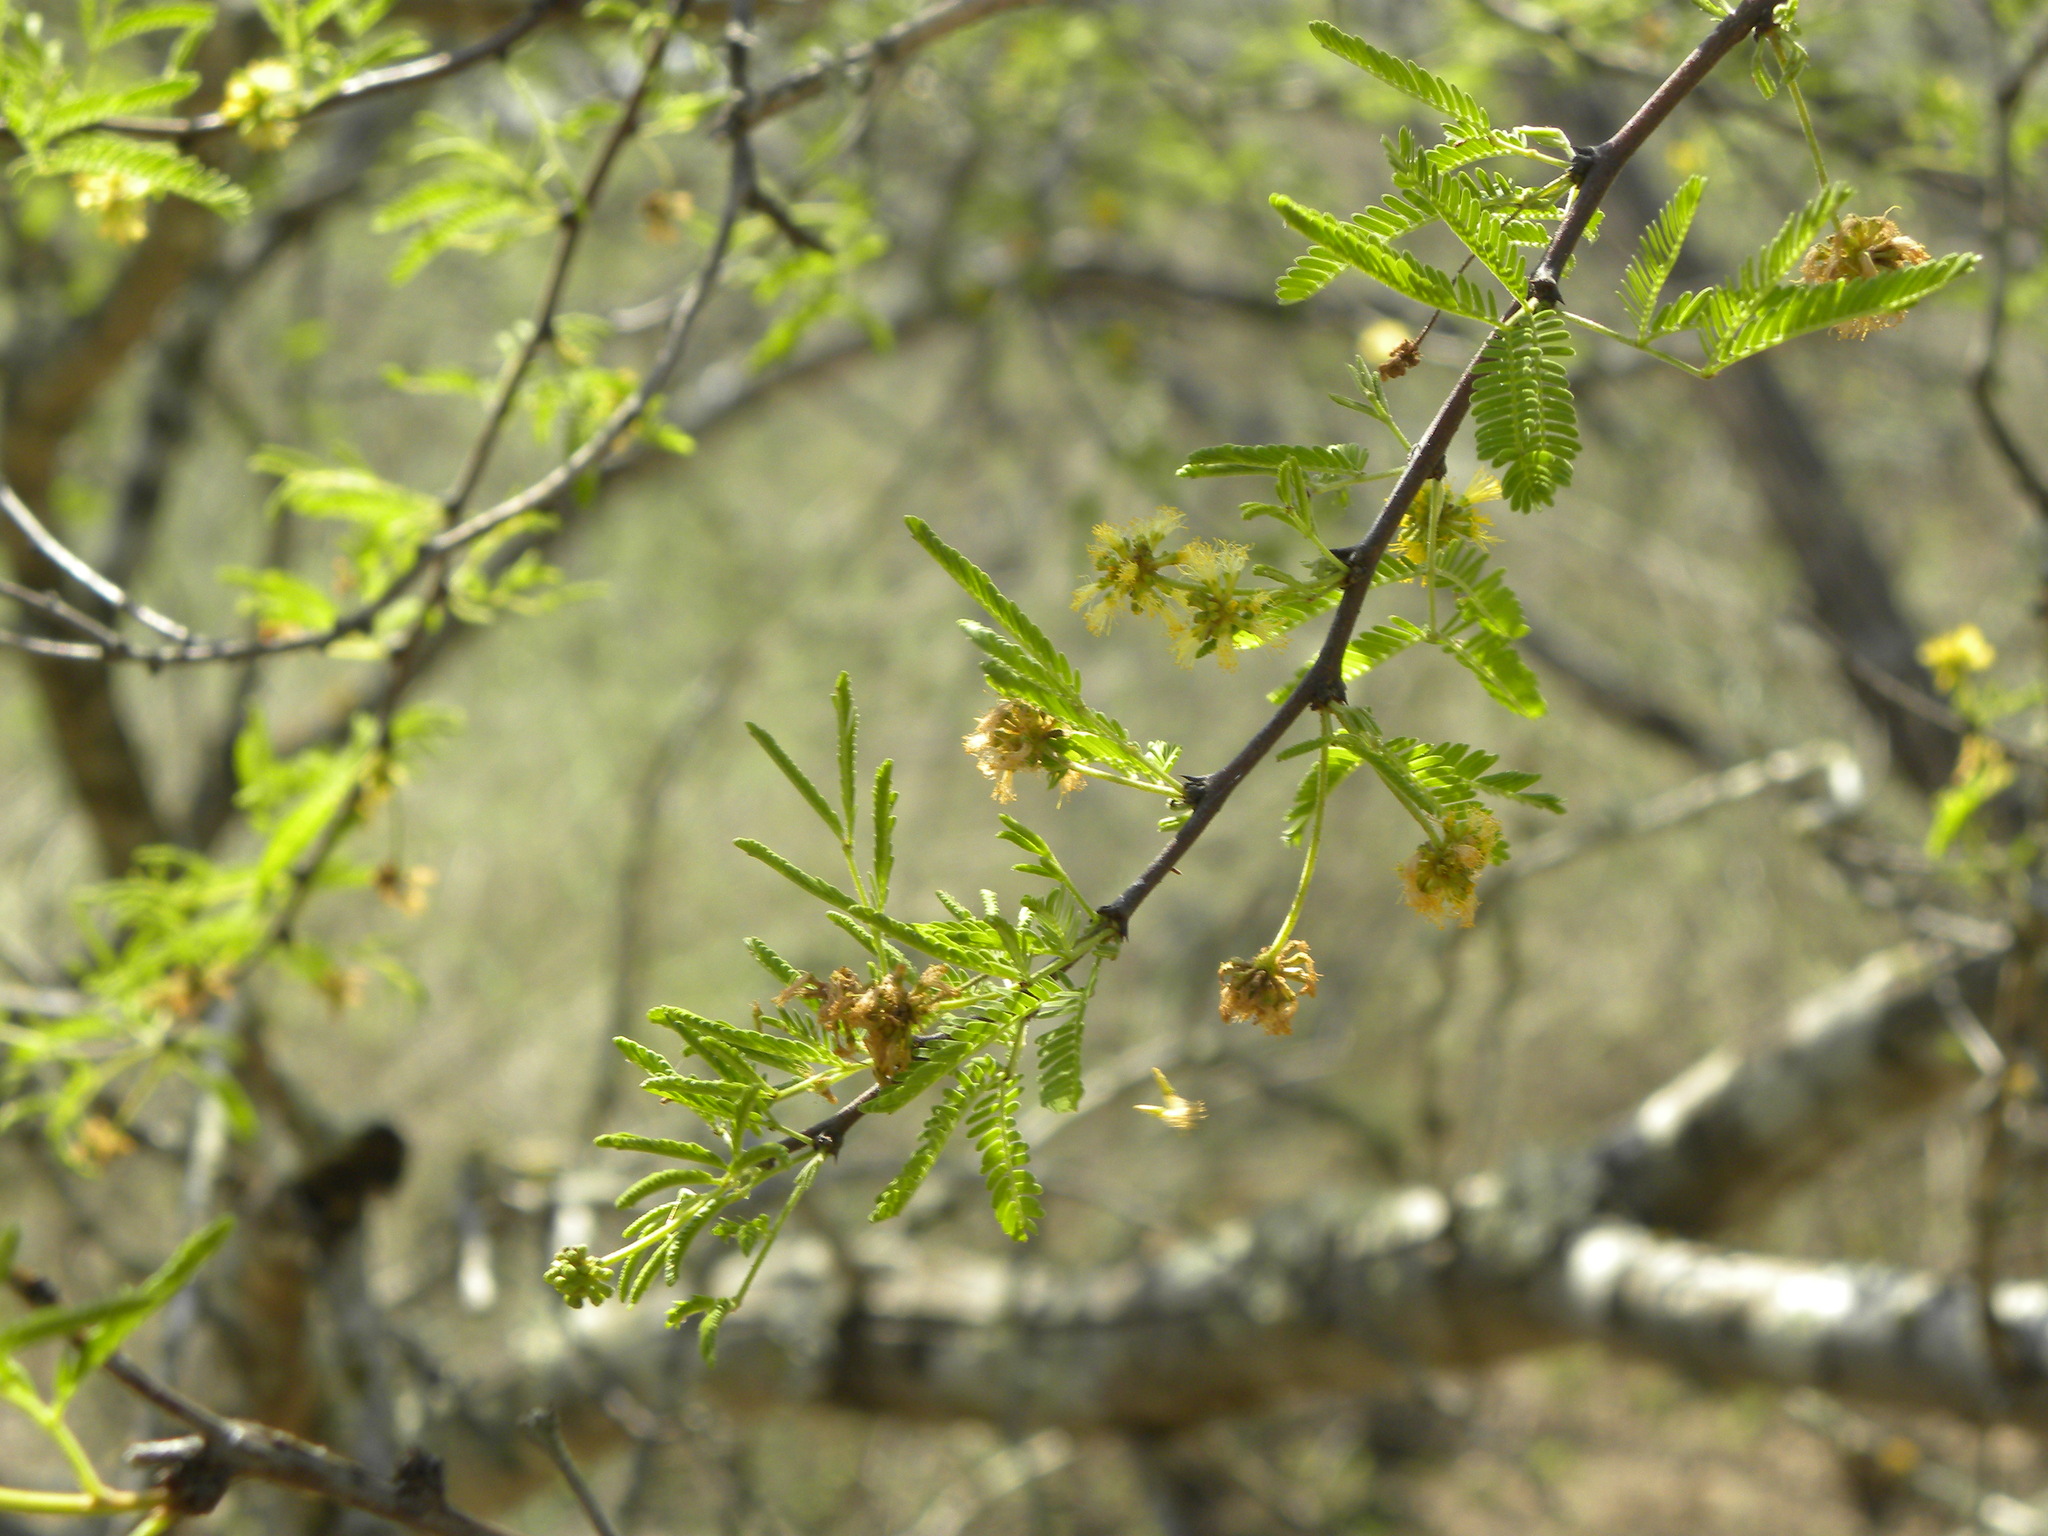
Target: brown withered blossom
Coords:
[[1015, 737], [1267, 991], [403, 888], [1406, 354], [886, 1014], [1441, 879], [1863, 245]]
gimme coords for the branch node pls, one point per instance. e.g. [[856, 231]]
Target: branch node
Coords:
[[195, 1479], [420, 1483], [1327, 690]]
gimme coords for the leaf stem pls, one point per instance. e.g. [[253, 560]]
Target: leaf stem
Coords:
[[1315, 839], [1172, 792], [1820, 165], [1641, 346]]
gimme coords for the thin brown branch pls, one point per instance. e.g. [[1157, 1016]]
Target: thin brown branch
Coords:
[[187, 649], [891, 47], [545, 1427], [571, 222], [2008, 91], [375, 82], [52, 549], [1322, 684]]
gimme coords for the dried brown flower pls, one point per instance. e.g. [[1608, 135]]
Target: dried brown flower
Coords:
[[1015, 737], [1268, 990], [663, 213], [1406, 354], [405, 889], [885, 1014], [1863, 245], [99, 1141]]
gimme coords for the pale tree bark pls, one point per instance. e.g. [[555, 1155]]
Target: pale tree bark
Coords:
[[1363, 1293]]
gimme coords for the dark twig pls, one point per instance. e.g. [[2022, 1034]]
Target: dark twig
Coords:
[[1362, 559], [375, 82], [543, 1425], [747, 110], [1998, 229], [198, 1469], [571, 222], [891, 47]]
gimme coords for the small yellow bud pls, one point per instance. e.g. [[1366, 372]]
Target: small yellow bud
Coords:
[[1954, 656], [262, 101]]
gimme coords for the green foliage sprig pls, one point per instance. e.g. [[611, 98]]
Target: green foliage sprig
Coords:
[[958, 1029]]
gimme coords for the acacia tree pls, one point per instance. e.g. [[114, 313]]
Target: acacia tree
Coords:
[[963, 1014]]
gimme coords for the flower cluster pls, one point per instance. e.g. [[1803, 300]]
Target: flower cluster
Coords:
[[1213, 611], [1956, 656], [1015, 737], [1130, 569], [1268, 990], [1458, 519], [262, 102], [1205, 606], [1863, 245], [1441, 879], [119, 201], [886, 1015], [580, 1277]]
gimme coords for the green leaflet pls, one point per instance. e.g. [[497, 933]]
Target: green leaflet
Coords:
[[1526, 424], [160, 167], [1500, 670], [975, 582], [1405, 76], [813, 797], [1398, 270], [653, 1183], [104, 1338], [1457, 200], [1301, 811], [794, 1056], [883, 822], [1657, 253], [1012, 1190], [771, 962], [1795, 309], [1059, 1066], [931, 1141], [660, 1146], [1719, 313], [824, 890], [849, 743], [1308, 276], [1342, 459]]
